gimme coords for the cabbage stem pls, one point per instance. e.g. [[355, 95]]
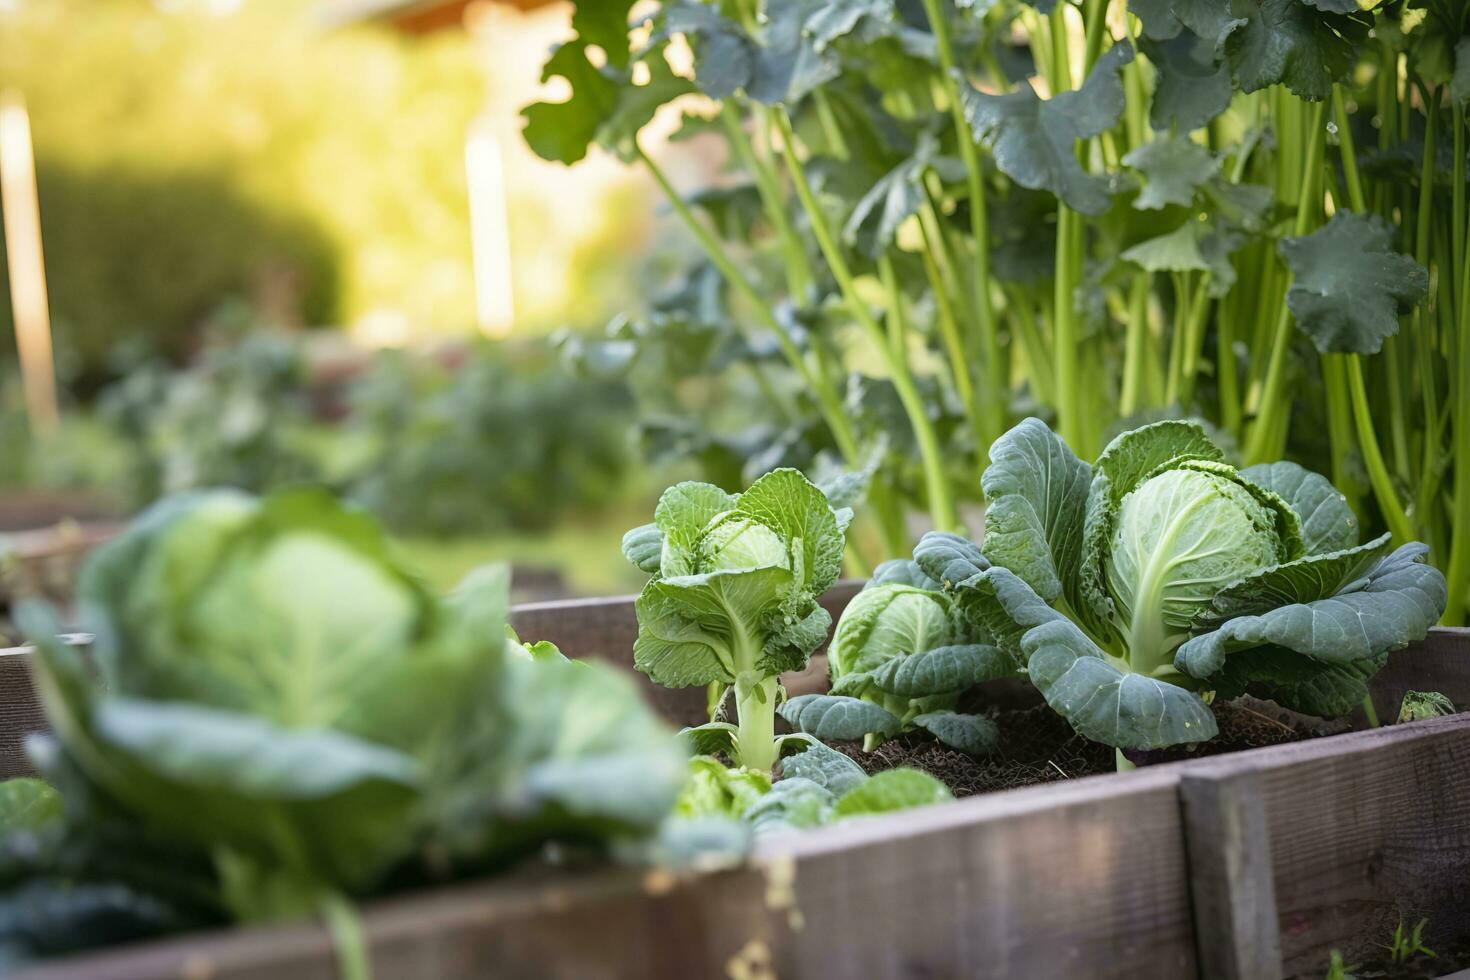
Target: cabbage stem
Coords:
[[1121, 761], [755, 736]]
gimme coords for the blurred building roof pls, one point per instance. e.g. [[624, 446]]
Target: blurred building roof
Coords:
[[411, 16]]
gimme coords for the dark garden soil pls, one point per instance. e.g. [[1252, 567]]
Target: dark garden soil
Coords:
[[1037, 746]]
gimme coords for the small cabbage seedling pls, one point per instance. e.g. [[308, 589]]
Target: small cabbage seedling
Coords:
[[1421, 705], [900, 661], [1129, 588], [733, 598]]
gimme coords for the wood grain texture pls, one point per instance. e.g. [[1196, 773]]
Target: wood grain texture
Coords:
[[1364, 829], [1082, 880], [20, 712], [1231, 875]]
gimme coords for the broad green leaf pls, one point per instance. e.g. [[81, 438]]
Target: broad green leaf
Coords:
[[1157, 18], [838, 719], [1036, 494], [1174, 251], [968, 733], [605, 24], [1394, 604], [1173, 169], [788, 65], [787, 502], [1296, 682], [838, 18], [1306, 579], [636, 105], [942, 670], [1349, 286], [587, 751], [1034, 140], [562, 131], [948, 558], [644, 547], [886, 622], [1291, 43], [824, 766], [790, 644], [1104, 703], [684, 512], [710, 738], [1328, 523], [240, 754], [27, 804], [724, 56], [685, 628], [893, 789]]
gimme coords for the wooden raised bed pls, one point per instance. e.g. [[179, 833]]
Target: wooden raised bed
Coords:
[[1252, 865]]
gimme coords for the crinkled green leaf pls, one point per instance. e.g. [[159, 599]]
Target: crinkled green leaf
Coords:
[[1036, 494], [1173, 169], [838, 719], [942, 670], [948, 558], [901, 571], [1328, 523], [787, 502], [838, 18], [885, 622], [890, 790], [1034, 140], [1292, 43], [562, 131], [1349, 286], [644, 547], [968, 733], [793, 803], [683, 514], [724, 56], [684, 623], [788, 64], [824, 766], [1392, 605], [713, 790], [1306, 579], [711, 738]]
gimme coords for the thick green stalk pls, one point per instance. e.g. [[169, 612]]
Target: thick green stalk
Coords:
[[941, 500], [1340, 428], [817, 382], [979, 224], [1267, 435], [1423, 329], [1121, 761], [1033, 344], [798, 269], [1194, 340], [345, 927], [1136, 347], [1388, 498], [1459, 564]]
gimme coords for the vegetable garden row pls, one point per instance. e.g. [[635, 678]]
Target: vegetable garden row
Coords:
[[1194, 235]]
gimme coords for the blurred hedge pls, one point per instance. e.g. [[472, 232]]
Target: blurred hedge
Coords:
[[187, 159]]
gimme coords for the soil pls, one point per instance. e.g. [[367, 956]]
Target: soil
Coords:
[[1037, 746]]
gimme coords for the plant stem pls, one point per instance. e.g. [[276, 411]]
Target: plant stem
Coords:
[[798, 270], [941, 501], [345, 926], [1459, 564], [817, 382], [1269, 430], [1370, 711], [755, 712], [979, 222], [1136, 344], [1121, 761], [1388, 498]]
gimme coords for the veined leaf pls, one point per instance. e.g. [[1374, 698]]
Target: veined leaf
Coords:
[[1396, 603], [1302, 46], [1173, 169], [942, 670], [838, 719], [1034, 140], [1328, 523], [824, 766], [892, 789], [1036, 493], [948, 558], [968, 733], [1306, 579], [1348, 285]]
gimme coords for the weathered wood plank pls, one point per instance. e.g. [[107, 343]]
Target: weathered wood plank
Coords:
[[20, 712], [1364, 830], [1231, 876], [1081, 880]]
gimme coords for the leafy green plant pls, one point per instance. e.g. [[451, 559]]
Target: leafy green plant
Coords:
[[1094, 211], [1337, 969], [733, 598], [275, 718], [1419, 705], [1408, 943], [1131, 588], [899, 662], [819, 786]]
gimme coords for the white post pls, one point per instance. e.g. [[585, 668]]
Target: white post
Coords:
[[27, 267], [489, 232]]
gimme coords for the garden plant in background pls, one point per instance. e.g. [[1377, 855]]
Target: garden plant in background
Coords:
[[948, 215]]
